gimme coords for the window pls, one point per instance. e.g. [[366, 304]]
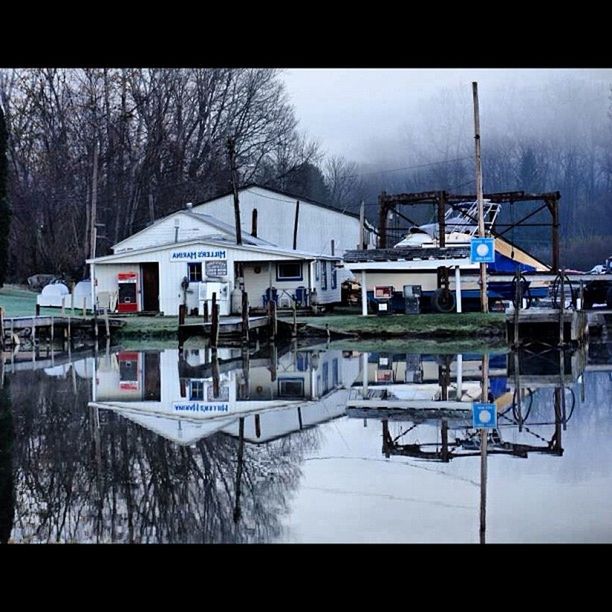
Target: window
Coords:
[[334, 279], [291, 387], [289, 271], [196, 389], [324, 275], [194, 272]]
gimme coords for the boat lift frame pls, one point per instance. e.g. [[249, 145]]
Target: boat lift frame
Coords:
[[442, 199]]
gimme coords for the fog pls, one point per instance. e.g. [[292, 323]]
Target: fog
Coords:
[[371, 115]]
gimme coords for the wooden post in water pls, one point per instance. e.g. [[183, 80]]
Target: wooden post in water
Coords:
[[444, 435], [106, 323], [1, 327], [245, 316], [562, 308], [181, 314], [205, 313], [517, 309], [214, 329], [72, 298], [273, 322], [294, 329], [63, 305], [37, 310], [215, 372], [84, 306], [581, 294]]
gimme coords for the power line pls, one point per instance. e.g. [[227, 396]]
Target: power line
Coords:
[[445, 161]]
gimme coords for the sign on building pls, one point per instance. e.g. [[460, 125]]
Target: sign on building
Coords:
[[482, 250], [183, 255], [216, 268]]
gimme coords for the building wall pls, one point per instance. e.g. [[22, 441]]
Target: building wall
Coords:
[[164, 232], [257, 283], [171, 276], [317, 226]]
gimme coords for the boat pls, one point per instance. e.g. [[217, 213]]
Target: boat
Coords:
[[418, 259]]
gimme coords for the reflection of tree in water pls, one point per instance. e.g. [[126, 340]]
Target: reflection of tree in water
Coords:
[[7, 501], [123, 483]]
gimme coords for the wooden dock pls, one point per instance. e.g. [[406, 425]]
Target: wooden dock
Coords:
[[555, 325], [55, 327], [228, 326]]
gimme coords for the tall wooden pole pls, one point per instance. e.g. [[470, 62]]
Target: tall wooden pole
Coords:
[[94, 204], [362, 226], [231, 150], [484, 298]]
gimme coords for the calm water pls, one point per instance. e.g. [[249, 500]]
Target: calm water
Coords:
[[319, 444]]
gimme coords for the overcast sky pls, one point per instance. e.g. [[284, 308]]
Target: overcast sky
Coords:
[[349, 110]]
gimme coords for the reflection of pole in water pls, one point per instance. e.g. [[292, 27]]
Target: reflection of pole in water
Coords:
[[364, 374], [237, 511], [459, 377], [215, 374], [517, 390], [483, 452]]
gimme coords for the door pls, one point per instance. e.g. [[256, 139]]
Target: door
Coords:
[[150, 287]]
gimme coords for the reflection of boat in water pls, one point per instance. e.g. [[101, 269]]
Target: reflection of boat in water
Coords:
[[425, 385], [417, 259], [424, 403]]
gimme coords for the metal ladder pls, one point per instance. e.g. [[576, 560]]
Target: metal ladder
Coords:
[[464, 221]]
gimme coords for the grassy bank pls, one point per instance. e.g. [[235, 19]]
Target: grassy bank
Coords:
[[471, 325], [18, 302]]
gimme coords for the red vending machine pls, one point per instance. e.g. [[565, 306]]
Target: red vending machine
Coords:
[[128, 283]]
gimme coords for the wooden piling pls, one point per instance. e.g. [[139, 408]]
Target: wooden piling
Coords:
[[181, 314], [245, 316], [84, 306], [562, 308], [517, 310], [214, 330], [215, 370], [294, 329], [106, 323], [205, 309], [444, 435], [273, 321], [1, 327], [63, 305], [37, 310]]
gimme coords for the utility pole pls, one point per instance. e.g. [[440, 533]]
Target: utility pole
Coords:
[[484, 298], [231, 151], [94, 203]]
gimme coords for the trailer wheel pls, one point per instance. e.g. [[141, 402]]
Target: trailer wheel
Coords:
[[443, 300]]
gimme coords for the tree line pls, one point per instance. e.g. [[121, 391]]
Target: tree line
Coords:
[[111, 150]]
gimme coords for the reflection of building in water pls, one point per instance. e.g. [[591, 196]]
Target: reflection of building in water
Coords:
[[428, 414], [186, 396]]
